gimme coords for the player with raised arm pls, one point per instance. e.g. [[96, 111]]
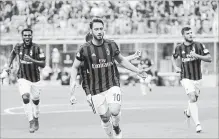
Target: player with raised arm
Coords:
[[99, 56], [30, 59], [190, 54], [83, 71]]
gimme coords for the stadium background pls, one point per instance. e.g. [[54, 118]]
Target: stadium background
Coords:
[[135, 25], [152, 26]]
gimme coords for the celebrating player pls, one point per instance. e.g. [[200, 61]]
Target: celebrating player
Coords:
[[191, 54], [30, 59], [83, 71], [99, 56]]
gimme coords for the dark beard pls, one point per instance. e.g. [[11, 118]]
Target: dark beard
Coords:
[[190, 41], [97, 38]]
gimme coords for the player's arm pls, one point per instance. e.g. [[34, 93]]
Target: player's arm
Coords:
[[206, 58], [40, 58], [74, 72], [204, 55], [125, 63], [136, 55], [174, 59], [41, 63], [11, 58]]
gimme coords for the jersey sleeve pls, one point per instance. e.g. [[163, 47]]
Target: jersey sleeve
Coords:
[[80, 54], [204, 50], [40, 54], [176, 53]]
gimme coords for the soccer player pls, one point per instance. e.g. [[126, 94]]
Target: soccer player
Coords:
[[190, 54], [30, 59], [146, 64], [99, 56], [83, 71]]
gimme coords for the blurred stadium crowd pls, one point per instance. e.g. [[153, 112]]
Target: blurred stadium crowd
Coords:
[[122, 17]]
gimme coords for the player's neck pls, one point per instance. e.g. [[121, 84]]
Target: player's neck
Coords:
[[29, 45], [187, 43], [97, 42]]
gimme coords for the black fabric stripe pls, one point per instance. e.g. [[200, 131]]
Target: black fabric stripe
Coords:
[[91, 70], [99, 75], [112, 67], [34, 67], [27, 67], [19, 58], [188, 67], [84, 81], [107, 68], [182, 64], [23, 67], [197, 66], [87, 66], [192, 69]]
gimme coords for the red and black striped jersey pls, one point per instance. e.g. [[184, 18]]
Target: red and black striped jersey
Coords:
[[28, 70], [190, 67], [83, 71], [101, 67]]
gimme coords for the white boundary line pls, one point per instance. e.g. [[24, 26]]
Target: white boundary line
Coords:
[[9, 111]]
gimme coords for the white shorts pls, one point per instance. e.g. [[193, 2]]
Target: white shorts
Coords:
[[146, 80], [101, 101], [191, 85], [32, 88]]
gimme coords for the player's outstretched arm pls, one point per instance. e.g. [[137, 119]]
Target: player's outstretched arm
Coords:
[[11, 58], [40, 62], [206, 58], [136, 55], [125, 63]]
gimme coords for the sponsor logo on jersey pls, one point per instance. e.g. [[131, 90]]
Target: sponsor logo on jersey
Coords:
[[25, 62]]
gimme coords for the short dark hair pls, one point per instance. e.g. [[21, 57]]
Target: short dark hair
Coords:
[[185, 29], [95, 20], [26, 29]]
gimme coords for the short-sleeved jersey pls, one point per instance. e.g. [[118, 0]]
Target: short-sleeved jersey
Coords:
[[144, 64], [190, 67], [28, 70], [100, 64]]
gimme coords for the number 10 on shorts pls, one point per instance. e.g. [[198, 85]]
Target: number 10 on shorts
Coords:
[[117, 97]]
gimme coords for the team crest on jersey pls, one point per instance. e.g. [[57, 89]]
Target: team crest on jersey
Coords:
[[183, 52], [20, 53], [107, 51]]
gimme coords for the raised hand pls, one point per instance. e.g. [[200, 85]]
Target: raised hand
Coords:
[[137, 54], [28, 58]]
